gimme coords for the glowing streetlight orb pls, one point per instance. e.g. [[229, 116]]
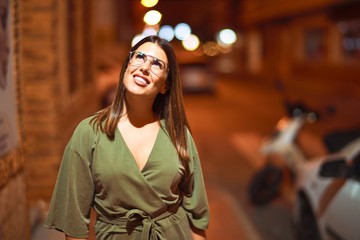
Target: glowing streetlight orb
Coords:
[[182, 31], [149, 31], [166, 32], [137, 38], [226, 37], [152, 17], [191, 43], [211, 48], [149, 3]]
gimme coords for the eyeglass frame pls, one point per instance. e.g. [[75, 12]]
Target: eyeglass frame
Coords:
[[132, 54]]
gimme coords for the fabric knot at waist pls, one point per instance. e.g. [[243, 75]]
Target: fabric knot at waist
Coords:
[[138, 218], [151, 230]]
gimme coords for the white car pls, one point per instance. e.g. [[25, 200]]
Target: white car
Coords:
[[327, 203]]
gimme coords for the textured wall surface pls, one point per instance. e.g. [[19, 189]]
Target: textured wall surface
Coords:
[[57, 89], [14, 217]]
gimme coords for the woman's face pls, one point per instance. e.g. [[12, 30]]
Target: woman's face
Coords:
[[147, 71], [4, 41]]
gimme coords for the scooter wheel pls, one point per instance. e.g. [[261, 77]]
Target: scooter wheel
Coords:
[[265, 184]]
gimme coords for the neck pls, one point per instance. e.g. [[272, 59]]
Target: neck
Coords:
[[139, 112]]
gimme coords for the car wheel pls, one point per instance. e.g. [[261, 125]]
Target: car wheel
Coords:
[[304, 220], [265, 184]]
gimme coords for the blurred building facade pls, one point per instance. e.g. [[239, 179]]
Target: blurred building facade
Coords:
[[62, 48], [311, 46]]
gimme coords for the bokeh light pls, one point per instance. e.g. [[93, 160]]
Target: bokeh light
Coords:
[[211, 48], [149, 3], [136, 39], [226, 37], [149, 31], [191, 43], [167, 32], [182, 31], [152, 17]]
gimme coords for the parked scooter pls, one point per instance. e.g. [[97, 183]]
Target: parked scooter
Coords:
[[282, 154]]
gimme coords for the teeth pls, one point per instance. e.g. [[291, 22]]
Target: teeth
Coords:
[[139, 79]]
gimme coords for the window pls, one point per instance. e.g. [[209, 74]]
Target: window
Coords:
[[350, 38], [315, 44]]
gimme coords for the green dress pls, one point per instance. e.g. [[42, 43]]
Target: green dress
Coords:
[[160, 201]]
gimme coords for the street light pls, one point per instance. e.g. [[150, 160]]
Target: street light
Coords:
[[149, 3], [152, 17]]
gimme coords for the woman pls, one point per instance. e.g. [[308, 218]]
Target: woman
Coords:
[[135, 161]]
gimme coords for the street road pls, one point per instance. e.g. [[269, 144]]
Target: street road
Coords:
[[228, 126]]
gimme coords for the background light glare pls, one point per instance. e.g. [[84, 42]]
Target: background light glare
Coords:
[[149, 3], [191, 43], [226, 37], [166, 32], [149, 31], [152, 17], [137, 39], [182, 31]]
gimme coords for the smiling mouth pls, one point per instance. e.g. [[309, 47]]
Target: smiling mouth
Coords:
[[141, 81]]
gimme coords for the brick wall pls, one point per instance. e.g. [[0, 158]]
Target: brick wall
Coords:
[[14, 215], [57, 88]]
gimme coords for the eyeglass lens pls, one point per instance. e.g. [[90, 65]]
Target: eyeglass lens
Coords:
[[138, 58]]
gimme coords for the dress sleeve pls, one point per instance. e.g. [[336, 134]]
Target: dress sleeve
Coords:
[[196, 203], [73, 194]]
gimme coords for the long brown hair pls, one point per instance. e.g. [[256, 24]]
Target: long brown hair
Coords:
[[168, 106]]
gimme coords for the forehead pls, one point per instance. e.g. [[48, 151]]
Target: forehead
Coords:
[[153, 50]]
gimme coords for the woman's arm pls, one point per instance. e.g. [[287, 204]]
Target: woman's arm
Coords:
[[198, 234], [71, 238]]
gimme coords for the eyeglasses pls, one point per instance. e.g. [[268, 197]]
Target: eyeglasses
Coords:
[[138, 58]]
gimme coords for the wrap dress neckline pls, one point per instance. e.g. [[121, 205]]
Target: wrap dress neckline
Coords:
[[137, 217], [132, 155]]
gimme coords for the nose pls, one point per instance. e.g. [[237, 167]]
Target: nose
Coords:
[[146, 65]]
